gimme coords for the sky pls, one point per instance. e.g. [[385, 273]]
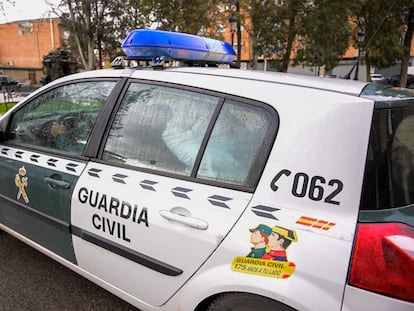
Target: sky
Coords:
[[25, 9]]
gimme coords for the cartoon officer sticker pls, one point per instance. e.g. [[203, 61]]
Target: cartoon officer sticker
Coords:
[[268, 255], [21, 182], [279, 241], [259, 237]]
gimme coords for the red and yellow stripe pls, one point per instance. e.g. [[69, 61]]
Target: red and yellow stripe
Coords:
[[315, 223]]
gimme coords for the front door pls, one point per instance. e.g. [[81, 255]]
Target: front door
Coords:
[[35, 197], [41, 161]]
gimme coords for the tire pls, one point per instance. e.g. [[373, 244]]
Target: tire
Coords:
[[245, 302]]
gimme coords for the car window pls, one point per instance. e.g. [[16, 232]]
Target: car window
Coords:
[[169, 130], [159, 128], [389, 173], [234, 145], [60, 119]]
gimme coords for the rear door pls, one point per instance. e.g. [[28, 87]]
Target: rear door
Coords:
[[41, 161], [176, 172]]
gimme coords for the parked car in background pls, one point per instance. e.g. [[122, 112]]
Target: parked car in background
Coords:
[[395, 81], [8, 82], [377, 77]]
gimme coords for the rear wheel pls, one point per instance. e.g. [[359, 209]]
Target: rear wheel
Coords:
[[245, 302]]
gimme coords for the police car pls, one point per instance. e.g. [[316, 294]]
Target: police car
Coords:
[[200, 188]]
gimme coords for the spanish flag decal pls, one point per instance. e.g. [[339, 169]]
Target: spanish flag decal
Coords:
[[315, 223]]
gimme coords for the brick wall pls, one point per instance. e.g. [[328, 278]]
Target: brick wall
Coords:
[[24, 43]]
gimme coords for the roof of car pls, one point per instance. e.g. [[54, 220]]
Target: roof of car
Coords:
[[329, 84]]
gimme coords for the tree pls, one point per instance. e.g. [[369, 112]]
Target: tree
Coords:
[[76, 16], [292, 29], [122, 19], [382, 45], [263, 28], [408, 37], [323, 33], [190, 16], [133, 14], [100, 25], [83, 20], [56, 64], [91, 24], [2, 2]]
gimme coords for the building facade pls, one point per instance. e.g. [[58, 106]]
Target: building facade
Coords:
[[23, 45]]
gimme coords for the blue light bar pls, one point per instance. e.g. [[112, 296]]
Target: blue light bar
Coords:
[[152, 44]]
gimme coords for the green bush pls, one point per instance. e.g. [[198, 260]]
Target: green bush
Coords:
[[5, 106]]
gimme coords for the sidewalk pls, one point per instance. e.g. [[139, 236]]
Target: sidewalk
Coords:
[[15, 98]]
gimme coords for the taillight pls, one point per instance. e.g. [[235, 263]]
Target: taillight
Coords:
[[383, 259]]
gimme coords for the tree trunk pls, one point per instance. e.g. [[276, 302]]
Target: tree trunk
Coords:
[[91, 55], [407, 47], [81, 52], [253, 51], [291, 37]]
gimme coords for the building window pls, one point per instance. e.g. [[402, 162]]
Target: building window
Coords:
[[25, 28]]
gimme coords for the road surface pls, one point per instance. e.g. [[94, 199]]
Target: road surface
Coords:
[[32, 281]]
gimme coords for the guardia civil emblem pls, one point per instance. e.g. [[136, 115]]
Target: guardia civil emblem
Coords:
[[21, 182]]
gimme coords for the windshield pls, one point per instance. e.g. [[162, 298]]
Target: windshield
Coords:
[[389, 173]]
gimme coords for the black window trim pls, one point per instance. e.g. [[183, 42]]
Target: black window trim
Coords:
[[102, 121], [264, 151], [206, 138]]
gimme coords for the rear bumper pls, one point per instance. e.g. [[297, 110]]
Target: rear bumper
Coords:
[[356, 299]]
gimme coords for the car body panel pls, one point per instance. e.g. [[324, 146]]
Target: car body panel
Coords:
[[324, 231], [140, 227], [167, 242], [32, 203], [357, 299]]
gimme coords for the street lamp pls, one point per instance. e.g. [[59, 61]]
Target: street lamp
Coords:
[[360, 38], [233, 28]]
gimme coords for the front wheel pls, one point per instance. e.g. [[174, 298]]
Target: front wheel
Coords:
[[245, 302]]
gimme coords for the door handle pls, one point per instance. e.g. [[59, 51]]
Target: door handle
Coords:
[[56, 183], [186, 220]]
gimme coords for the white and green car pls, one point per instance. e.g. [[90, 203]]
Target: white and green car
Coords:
[[200, 188]]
